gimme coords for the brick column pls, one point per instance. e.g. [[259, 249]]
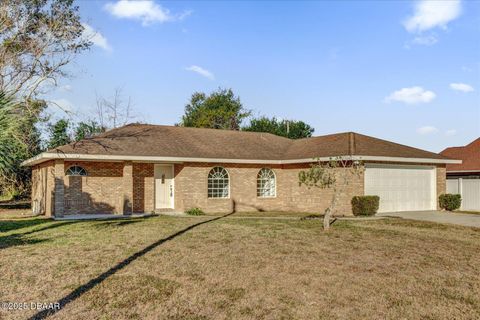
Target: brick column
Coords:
[[127, 188], [59, 188]]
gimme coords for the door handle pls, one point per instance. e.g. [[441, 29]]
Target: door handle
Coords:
[[171, 191]]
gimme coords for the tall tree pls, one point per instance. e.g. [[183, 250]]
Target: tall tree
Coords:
[[87, 129], [286, 128], [38, 38], [19, 140], [219, 110], [59, 134]]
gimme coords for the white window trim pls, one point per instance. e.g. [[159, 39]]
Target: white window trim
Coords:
[[229, 183], [76, 175], [274, 187]]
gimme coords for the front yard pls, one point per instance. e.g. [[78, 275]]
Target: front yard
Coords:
[[246, 268]]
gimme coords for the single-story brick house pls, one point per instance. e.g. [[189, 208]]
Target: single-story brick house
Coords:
[[145, 168]]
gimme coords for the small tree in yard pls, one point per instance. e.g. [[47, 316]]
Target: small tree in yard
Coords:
[[334, 174]]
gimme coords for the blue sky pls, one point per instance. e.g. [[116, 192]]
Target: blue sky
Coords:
[[399, 70]]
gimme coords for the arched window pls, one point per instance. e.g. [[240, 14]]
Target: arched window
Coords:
[[76, 171], [218, 183], [266, 183]]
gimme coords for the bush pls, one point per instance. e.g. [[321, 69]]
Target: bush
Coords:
[[365, 205], [450, 201], [194, 212]]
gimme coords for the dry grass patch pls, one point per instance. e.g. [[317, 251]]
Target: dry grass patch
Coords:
[[244, 268]]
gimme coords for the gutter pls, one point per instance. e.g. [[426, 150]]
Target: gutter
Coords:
[[45, 156]]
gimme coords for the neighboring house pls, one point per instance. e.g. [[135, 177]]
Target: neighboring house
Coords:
[[464, 178], [146, 168]]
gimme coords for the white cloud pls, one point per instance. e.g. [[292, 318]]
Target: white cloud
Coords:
[[146, 11], [431, 14], [411, 95], [450, 132], [96, 37], [427, 130], [461, 87], [201, 71]]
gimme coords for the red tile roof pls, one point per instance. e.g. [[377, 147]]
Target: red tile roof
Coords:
[[469, 154]]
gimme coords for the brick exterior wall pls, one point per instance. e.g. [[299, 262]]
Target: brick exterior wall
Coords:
[[441, 182], [101, 191], [191, 190], [108, 185], [143, 187]]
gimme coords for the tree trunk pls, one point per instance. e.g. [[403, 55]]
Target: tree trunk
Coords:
[[326, 219], [329, 211]]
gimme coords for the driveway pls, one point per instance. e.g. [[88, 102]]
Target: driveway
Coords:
[[462, 219]]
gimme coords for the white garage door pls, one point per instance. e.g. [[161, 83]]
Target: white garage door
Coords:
[[402, 188]]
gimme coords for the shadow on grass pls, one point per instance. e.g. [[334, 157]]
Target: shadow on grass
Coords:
[[9, 225], [79, 291], [120, 223], [18, 239]]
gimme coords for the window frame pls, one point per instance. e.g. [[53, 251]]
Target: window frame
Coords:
[[210, 195], [76, 173], [258, 188]]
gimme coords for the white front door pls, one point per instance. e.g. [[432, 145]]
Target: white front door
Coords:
[[163, 186], [401, 187]]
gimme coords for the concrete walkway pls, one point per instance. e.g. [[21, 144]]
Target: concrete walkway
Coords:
[[97, 216], [462, 219]]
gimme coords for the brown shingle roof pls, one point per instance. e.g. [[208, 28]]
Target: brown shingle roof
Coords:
[[170, 141], [469, 154]]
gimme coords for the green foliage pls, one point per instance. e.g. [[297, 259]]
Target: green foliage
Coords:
[[219, 110], [58, 134], [365, 205], [286, 128], [450, 201], [38, 39], [87, 129], [318, 175], [194, 212], [19, 140]]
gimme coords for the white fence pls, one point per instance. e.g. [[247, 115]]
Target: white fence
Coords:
[[469, 189]]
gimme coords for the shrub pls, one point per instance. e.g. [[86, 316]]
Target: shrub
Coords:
[[450, 201], [365, 205], [194, 212]]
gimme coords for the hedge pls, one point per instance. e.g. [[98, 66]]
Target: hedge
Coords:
[[365, 205], [194, 212], [450, 201]]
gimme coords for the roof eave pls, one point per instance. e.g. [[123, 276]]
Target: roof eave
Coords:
[[45, 156]]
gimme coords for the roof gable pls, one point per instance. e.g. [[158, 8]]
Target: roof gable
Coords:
[[469, 154]]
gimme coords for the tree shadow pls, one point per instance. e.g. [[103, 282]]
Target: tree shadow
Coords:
[[108, 141], [117, 223], [79, 291], [77, 201], [9, 225], [18, 239]]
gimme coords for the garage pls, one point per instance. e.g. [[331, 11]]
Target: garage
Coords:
[[402, 187]]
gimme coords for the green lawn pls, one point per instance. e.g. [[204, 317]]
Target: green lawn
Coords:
[[241, 268]]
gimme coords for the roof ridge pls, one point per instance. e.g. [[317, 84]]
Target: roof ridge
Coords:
[[202, 129]]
